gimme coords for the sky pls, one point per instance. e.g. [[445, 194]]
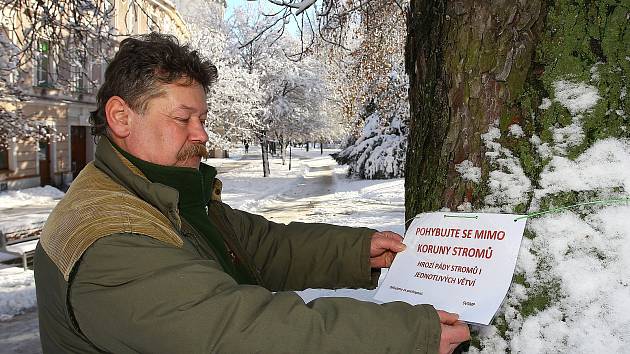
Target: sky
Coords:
[[233, 4]]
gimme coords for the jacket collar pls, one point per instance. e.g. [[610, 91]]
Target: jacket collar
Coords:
[[121, 170]]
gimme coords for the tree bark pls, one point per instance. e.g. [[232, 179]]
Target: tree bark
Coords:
[[466, 61]]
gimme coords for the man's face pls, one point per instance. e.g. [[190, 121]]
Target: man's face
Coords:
[[171, 130]]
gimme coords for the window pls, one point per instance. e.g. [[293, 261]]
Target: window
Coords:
[[4, 158], [131, 19], [42, 74], [78, 71]]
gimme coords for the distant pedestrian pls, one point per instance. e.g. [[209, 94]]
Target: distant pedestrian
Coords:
[[246, 147]]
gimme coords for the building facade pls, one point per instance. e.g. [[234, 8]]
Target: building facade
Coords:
[[61, 88]]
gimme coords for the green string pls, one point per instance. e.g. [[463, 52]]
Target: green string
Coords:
[[555, 210]]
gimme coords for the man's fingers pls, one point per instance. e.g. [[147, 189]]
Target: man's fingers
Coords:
[[462, 330], [390, 234], [447, 317], [385, 241], [452, 336]]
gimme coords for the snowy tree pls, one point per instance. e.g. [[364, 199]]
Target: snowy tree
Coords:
[[379, 151], [374, 87], [294, 103], [208, 31], [296, 94], [235, 101], [523, 108]]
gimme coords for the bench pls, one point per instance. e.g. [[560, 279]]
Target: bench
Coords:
[[19, 244]]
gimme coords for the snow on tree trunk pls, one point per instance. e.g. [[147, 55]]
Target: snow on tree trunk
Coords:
[[523, 107]]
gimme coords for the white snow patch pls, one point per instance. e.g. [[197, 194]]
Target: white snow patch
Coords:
[[590, 258], [491, 341], [29, 196], [546, 103], [577, 98], [544, 332], [595, 72], [567, 137], [516, 131], [604, 165], [465, 207], [508, 183], [17, 292], [543, 149], [468, 171]]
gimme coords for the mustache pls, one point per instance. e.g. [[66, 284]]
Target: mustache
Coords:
[[192, 150]]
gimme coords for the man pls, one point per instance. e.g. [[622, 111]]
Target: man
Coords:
[[139, 256]]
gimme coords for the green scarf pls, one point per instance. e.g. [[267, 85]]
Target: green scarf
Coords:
[[195, 190]]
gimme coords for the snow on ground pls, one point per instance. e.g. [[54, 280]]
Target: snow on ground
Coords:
[[21, 210], [27, 208], [29, 196], [17, 292]]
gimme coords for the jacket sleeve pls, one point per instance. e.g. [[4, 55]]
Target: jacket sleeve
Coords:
[[301, 255], [131, 293]]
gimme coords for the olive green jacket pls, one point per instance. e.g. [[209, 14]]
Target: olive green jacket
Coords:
[[117, 270]]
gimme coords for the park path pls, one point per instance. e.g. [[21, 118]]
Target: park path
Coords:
[[20, 335], [299, 202]]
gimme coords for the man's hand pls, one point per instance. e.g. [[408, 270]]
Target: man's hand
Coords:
[[454, 332], [384, 247]]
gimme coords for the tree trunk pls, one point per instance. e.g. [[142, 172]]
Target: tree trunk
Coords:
[[466, 61], [321, 147], [282, 152], [264, 146], [290, 156]]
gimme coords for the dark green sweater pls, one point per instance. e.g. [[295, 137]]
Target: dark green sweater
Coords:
[[195, 190]]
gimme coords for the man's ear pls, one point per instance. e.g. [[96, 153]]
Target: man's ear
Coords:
[[117, 112]]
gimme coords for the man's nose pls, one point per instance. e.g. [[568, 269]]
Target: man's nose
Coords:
[[197, 132]]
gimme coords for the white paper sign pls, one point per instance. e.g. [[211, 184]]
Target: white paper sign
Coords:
[[458, 262]]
